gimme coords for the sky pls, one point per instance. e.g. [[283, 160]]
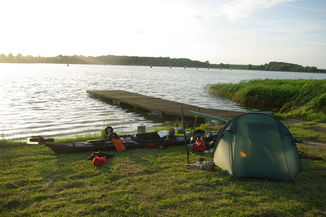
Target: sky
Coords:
[[220, 31]]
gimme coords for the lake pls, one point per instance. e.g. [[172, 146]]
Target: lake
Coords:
[[51, 99]]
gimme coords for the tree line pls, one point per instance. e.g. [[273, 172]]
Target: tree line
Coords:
[[108, 59], [153, 61], [280, 66]]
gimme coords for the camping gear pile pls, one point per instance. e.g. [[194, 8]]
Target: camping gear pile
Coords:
[[202, 164], [112, 141]]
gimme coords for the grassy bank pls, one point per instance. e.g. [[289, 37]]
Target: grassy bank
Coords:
[[287, 98], [309, 131], [35, 181]]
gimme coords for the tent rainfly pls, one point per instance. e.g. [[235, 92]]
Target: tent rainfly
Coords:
[[257, 145]]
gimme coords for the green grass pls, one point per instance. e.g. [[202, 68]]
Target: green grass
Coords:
[[10, 143], [35, 181], [309, 130], [78, 138], [205, 127], [287, 98]]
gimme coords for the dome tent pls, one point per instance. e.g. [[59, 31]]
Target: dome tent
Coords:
[[257, 145]]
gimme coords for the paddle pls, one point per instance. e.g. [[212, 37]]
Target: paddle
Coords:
[[118, 145]]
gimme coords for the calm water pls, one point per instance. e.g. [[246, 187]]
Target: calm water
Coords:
[[51, 99]]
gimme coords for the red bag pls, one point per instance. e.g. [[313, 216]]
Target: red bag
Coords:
[[97, 161], [200, 145], [104, 159]]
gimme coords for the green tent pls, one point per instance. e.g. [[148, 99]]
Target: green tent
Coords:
[[257, 145]]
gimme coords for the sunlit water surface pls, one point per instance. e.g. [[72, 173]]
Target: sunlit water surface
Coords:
[[51, 99]]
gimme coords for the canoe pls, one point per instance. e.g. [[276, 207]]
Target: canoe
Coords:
[[149, 140]]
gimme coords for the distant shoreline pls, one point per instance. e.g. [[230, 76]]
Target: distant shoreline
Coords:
[[155, 61]]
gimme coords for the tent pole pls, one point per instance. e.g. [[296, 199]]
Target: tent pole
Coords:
[[184, 132], [195, 122]]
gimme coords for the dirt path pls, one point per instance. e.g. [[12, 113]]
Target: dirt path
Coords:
[[313, 143]]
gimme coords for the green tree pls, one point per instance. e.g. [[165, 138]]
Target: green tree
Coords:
[[10, 57]]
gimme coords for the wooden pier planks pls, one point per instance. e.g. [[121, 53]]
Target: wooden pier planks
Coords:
[[153, 104]]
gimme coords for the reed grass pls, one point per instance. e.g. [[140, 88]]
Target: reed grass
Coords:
[[287, 98]]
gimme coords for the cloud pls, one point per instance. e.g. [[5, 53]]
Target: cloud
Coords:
[[239, 9]]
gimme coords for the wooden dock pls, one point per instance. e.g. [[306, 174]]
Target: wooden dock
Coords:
[[154, 106]]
